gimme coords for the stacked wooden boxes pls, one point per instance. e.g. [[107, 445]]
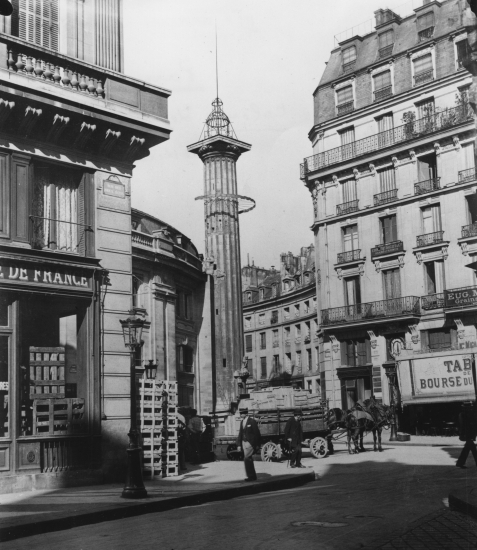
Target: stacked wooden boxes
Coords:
[[158, 426]]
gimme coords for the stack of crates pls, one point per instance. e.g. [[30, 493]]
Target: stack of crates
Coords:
[[157, 419]]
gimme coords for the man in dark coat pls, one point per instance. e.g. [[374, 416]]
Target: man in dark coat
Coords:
[[248, 440], [294, 436], [467, 433]]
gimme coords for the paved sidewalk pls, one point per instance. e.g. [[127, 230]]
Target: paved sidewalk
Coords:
[[36, 512]]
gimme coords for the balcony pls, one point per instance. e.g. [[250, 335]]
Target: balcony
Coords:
[[432, 301], [347, 208], [384, 198], [387, 248], [395, 307], [422, 78], [386, 51], [345, 108], [383, 93], [469, 230], [427, 186], [425, 34], [467, 175], [441, 120], [430, 238], [350, 256]]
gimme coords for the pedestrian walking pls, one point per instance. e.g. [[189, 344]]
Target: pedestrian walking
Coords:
[[248, 440], [294, 437], [181, 437], [195, 430], [467, 433]]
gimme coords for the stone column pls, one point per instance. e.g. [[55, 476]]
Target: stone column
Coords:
[[165, 336]]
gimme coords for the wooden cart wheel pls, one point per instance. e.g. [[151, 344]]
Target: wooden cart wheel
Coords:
[[271, 452], [318, 447], [285, 449]]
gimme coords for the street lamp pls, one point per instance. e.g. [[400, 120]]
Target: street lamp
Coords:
[[151, 370], [242, 375], [391, 374], [132, 332]]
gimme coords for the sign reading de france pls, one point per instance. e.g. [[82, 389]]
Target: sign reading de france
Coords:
[[12, 273]]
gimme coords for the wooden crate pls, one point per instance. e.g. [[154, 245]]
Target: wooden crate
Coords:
[[47, 372], [58, 416]]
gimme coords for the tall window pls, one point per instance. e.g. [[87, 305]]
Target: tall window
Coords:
[[250, 366], [287, 334], [389, 229], [426, 108], [427, 167], [392, 284], [37, 22], [248, 343], [298, 361], [356, 353], [276, 364], [274, 316], [471, 209], [434, 272], [57, 205], [382, 80], [263, 340], [298, 331], [425, 26], [386, 41], [463, 52], [385, 130], [288, 362], [468, 157], [275, 336], [349, 191], [350, 238], [185, 359], [297, 310], [263, 367], [308, 359], [307, 329], [440, 338], [344, 95], [352, 291], [286, 312], [248, 322], [349, 57], [431, 219], [347, 143], [261, 319], [423, 69], [387, 179]]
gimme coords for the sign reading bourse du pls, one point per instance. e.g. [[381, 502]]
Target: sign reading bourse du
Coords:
[[446, 375]]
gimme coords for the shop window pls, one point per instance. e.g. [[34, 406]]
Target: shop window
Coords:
[[248, 342], [4, 385], [356, 353], [57, 211], [36, 21], [4, 310], [263, 367]]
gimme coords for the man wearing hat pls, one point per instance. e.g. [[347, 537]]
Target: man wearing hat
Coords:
[[249, 440], [467, 432], [294, 436]]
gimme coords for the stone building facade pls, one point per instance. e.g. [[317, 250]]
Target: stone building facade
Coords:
[[71, 128], [393, 185], [170, 289], [280, 323]]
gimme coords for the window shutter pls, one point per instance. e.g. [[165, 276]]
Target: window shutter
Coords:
[[82, 234], [393, 228], [248, 342], [387, 179], [37, 22], [362, 353], [344, 353]]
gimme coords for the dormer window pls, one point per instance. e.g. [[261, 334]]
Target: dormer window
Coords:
[[344, 100], [249, 296], [349, 58], [274, 290], [286, 286], [262, 293], [386, 43], [425, 26]]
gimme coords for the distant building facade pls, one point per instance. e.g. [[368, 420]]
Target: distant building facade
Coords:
[[394, 185], [169, 288], [280, 323]]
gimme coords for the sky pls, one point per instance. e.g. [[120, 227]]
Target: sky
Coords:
[[271, 55]]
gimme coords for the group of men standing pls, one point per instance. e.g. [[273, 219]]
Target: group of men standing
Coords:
[[249, 437]]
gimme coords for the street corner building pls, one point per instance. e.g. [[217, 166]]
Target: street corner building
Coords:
[[393, 185], [280, 323], [71, 127], [170, 290]]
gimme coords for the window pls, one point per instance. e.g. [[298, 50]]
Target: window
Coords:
[[382, 80], [387, 179], [250, 366], [317, 356], [356, 353], [136, 291], [5, 335], [286, 286], [308, 359], [431, 219], [309, 386], [184, 305], [315, 327], [248, 322], [307, 307], [463, 53], [248, 343], [249, 296], [349, 57], [274, 291], [275, 336], [349, 191], [385, 130], [274, 316], [298, 331], [347, 143], [186, 359], [287, 334], [263, 340], [315, 304], [426, 109], [425, 26], [468, 158], [57, 196], [434, 273], [288, 362], [386, 42], [276, 364], [185, 395], [427, 168], [262, 293], [423, 69], [298, 361], [344, 95], [263, 367], [440, 338], [352, 291], [471, 202], [37, 22], [261, 319], [297, 310], [286, 312], [392, 284], [308, 330], [389, 229]]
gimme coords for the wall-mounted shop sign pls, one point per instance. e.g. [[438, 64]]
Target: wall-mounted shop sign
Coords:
[[461, 297], [43, 276], [433, 377]]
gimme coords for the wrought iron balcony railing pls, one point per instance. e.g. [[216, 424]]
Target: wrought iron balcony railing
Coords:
[[60, 235], [349, 256], [383, 93], [387, 196], [345, 108], [426, 34], [467, 175], [346, 208], [386, 51], [469, 230], [387, 248], [409, 131], [427, 186], [422, 78], [432, 301], [395, 307], [430, 238]]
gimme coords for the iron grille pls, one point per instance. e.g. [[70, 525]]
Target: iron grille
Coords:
[[346, 208], [467, 175], [469, 230], [430, 238], [350, 256], [383, 93], [345, 108], [425, 34], [425, 76], [433, 301], [387, 248], [387, 50], [427, 186], [387, 196]]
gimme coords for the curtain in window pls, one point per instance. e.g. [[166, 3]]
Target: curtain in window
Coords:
[[353, 291], [423, 64], [345, 95], [385, 123], [349, 191], [392, 284], [439, 270], [387, 179], [382, 80], [389, 228]]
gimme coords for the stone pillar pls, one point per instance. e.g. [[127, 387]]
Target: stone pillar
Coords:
[[165, 320]]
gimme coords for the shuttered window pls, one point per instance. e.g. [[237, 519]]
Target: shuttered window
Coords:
[[392, 284], [263, 367], [248, 342], [423, 64], [352, 291], [425, 108], [345, 95], [387, 179], [347, 136], [349, 191], [385, 123], [382, 80], [356, 353], [37, 22], [431, 219], [389, 229], [439, 339]]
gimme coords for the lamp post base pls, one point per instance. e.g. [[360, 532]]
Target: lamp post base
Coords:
[[393, 435], [134, 487]]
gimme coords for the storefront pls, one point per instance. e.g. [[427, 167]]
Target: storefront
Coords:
[[432, 387], [49, 369]]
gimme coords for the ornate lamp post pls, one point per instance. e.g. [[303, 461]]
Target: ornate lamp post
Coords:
[[151, 370], [134, 488], [391, 374], [242, 375]]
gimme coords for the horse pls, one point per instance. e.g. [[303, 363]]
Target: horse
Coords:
[[369, 416]]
